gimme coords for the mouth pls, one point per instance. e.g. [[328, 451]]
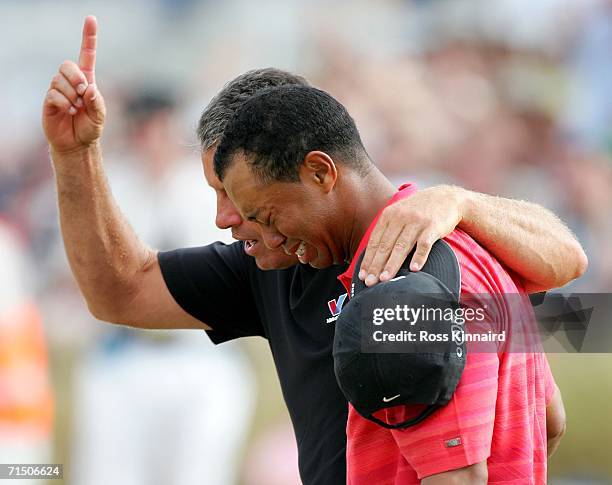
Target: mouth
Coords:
[[298, 249], [301, 250], [250, 246]]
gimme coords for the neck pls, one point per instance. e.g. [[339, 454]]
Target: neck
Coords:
[[367, 196]]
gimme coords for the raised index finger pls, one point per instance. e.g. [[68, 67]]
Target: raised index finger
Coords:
[[87, 56]]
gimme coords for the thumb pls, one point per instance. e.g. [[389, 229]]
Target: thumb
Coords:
[[94, 104]]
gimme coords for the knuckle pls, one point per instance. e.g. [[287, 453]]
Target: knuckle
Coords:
[[371, 243], [422, 250], [66, 65], [427, 239], [428, 220], [430, 240], [70, 70], [384, 247], [423, 246], [54, 97], [401, 245], [393, 212], [420, 218]]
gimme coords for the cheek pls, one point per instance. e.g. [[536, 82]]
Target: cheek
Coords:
[[253, 227], [287, 228]]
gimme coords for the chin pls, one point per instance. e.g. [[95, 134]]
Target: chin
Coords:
[[268, 263], [321, 263]]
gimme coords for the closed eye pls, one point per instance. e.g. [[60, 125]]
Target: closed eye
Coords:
[[257, 221]]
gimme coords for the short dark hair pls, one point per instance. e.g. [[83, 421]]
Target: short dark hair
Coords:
[[223, 106], [279, 126]]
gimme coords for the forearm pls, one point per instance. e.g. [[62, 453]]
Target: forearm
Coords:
[[555, 422], [103, 251], [525, 237], [552, 444]]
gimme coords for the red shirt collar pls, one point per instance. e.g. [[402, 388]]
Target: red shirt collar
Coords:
[[405, 190]]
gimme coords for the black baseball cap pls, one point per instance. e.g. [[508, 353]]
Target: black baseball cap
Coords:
[[375, 375]]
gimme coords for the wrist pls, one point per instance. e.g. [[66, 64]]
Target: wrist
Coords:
[[466, 201], [80, 154]]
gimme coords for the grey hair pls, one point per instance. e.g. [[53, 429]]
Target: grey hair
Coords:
[[222, 107]]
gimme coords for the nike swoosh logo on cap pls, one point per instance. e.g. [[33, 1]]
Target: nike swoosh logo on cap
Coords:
[[389, 399]]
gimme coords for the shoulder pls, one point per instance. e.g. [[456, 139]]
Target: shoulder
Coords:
[[481, 272]]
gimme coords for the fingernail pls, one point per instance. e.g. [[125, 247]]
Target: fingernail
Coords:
[[384, 275], [81, 88], [371, 280], [79, 102], [415, 266], [72, 110], [362, 275]]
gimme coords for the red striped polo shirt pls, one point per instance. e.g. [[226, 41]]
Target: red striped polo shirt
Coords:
[[497, 413]]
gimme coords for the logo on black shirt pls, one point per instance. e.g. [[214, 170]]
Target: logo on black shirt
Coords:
[[335, 307]]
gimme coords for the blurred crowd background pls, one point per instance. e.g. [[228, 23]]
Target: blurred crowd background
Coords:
[[508, 97]]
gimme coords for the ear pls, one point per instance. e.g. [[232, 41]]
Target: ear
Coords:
[[320, 170]]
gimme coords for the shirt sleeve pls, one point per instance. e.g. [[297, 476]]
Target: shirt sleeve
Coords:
[[214, 284], [458, 434]]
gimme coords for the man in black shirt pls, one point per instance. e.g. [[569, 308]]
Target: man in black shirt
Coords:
[[219, 287], [291, 308]]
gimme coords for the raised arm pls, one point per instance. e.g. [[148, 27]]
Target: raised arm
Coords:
[[525, 237], [118, 275]]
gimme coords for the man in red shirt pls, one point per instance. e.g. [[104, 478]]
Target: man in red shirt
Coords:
[[506, 392], [292, 161]]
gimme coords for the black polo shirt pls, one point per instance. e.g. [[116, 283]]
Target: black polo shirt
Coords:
[[295, 309]]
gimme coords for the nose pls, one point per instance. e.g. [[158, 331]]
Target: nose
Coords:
[[272, 238], [227, 214]]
